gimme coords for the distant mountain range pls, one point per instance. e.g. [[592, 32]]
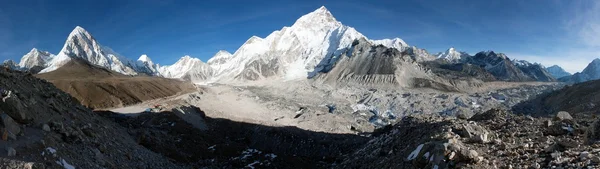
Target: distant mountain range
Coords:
[[557, 71], [591, 72], [313, 45]]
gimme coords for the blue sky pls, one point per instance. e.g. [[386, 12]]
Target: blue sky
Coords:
[[566, 32]]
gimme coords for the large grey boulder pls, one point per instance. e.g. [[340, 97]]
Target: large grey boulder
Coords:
[[13, 107], [592, 134], [563, 116], [10, 127]]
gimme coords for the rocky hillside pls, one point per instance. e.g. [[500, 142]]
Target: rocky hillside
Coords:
[[96, 87], [492, 139], [582, 99], [47, 128]]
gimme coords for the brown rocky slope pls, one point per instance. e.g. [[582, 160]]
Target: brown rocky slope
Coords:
[[98, 88]]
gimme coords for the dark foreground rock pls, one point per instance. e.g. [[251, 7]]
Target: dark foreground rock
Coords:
[[72, 134], [229, 144]]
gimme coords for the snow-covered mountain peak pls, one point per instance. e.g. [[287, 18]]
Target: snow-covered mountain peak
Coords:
[[182, 67], [319, 17], [219, 58], [81, 44], [34, 58], [254, 39], [557, 71], [187, 59], [144, 58], [391, 43], [79, 31], [223, 53], [453, 55]]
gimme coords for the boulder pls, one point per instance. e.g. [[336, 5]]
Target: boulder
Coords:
[[592, 134], [13, 107], [476, 133], [46, 128], [563, 116], [10, 126]]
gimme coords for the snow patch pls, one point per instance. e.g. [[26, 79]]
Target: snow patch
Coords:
[[64, 164], [415, 153]]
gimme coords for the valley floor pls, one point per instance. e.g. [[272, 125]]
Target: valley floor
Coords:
[[340, 110]]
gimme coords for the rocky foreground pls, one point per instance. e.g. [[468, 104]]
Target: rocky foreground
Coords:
[[493, 139]]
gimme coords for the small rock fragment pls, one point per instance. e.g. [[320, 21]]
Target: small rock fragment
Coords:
[[46, 128], [584, 155]]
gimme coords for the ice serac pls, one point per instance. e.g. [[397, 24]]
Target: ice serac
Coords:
[[557, 71], [35, 58], [591, 72], [82, 44], [188, 68], [452, 55]]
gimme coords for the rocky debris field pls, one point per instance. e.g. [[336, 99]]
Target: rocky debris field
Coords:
[[582, 99], [493, 139], [362, 109]]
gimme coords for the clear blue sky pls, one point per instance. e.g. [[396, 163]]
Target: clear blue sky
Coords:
[[566, 32]]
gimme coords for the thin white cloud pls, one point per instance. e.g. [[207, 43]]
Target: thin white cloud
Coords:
[[584, 22], [580, 42]]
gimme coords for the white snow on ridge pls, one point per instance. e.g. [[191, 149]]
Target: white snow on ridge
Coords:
[[82, 44], [297, 49], [34, 58], [452, 55], [307, 46], [392, 43]]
